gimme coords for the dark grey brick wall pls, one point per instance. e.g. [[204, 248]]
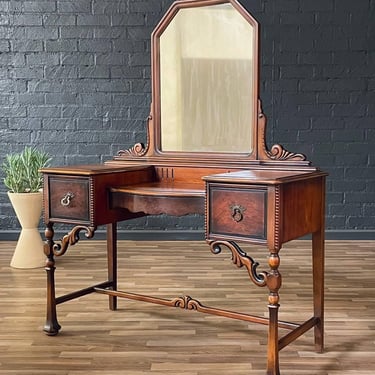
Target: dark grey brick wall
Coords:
[[75, 80], [318, 73]]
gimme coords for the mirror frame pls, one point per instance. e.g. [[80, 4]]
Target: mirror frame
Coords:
[[151, 151], [155, 143], [251, 79]]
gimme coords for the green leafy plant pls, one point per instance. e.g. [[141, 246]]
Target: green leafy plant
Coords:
[[22, 170]]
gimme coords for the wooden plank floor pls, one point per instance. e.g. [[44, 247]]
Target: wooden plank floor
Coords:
[[142, 338]]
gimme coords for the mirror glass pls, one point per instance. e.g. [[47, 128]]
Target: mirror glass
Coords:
[[207, 73]]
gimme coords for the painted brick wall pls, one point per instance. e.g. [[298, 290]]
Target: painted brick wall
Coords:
[[319, 86], [75, 80]]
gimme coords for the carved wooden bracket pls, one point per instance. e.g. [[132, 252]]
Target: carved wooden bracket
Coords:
[[139, 149], [240, 259], [277, 152], [72, 238]]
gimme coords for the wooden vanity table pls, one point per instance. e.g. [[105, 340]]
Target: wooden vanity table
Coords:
[[205, 153]]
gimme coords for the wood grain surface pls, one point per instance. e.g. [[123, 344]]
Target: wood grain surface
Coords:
[[142, 338]]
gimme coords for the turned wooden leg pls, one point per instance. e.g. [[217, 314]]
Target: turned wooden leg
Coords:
[[51, 326], [112, 261], [318, 287], [273, 337], [274, 284]]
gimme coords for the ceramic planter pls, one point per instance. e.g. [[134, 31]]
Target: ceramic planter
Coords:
[[29, 250]]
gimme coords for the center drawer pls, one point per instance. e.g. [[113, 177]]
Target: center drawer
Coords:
[[237, 210]]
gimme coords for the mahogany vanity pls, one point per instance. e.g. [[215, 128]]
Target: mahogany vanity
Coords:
[[205, 153]]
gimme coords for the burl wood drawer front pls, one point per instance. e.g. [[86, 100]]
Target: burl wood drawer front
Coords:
[[238, 211], [69, 198]]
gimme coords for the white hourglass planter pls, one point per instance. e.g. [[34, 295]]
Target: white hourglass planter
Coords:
[[29, 249]]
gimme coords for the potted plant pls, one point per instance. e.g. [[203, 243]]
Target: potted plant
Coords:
[[24, 181]]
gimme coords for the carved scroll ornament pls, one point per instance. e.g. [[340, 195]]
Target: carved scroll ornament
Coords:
[[240, 259], [139, 149], [72, 238], [277, 152]]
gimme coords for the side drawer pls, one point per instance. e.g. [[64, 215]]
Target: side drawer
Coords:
[[69, 198], [237, 210]]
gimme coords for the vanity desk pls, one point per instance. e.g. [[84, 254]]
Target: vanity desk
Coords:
[[205, 154]]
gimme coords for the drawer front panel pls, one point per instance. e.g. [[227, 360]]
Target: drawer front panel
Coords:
[[69, 198], [238, 212]]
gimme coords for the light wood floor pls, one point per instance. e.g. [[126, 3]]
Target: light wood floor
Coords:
[[141, 338]]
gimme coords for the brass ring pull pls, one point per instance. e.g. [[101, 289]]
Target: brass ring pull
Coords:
[[66, 199], [237, 212]]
